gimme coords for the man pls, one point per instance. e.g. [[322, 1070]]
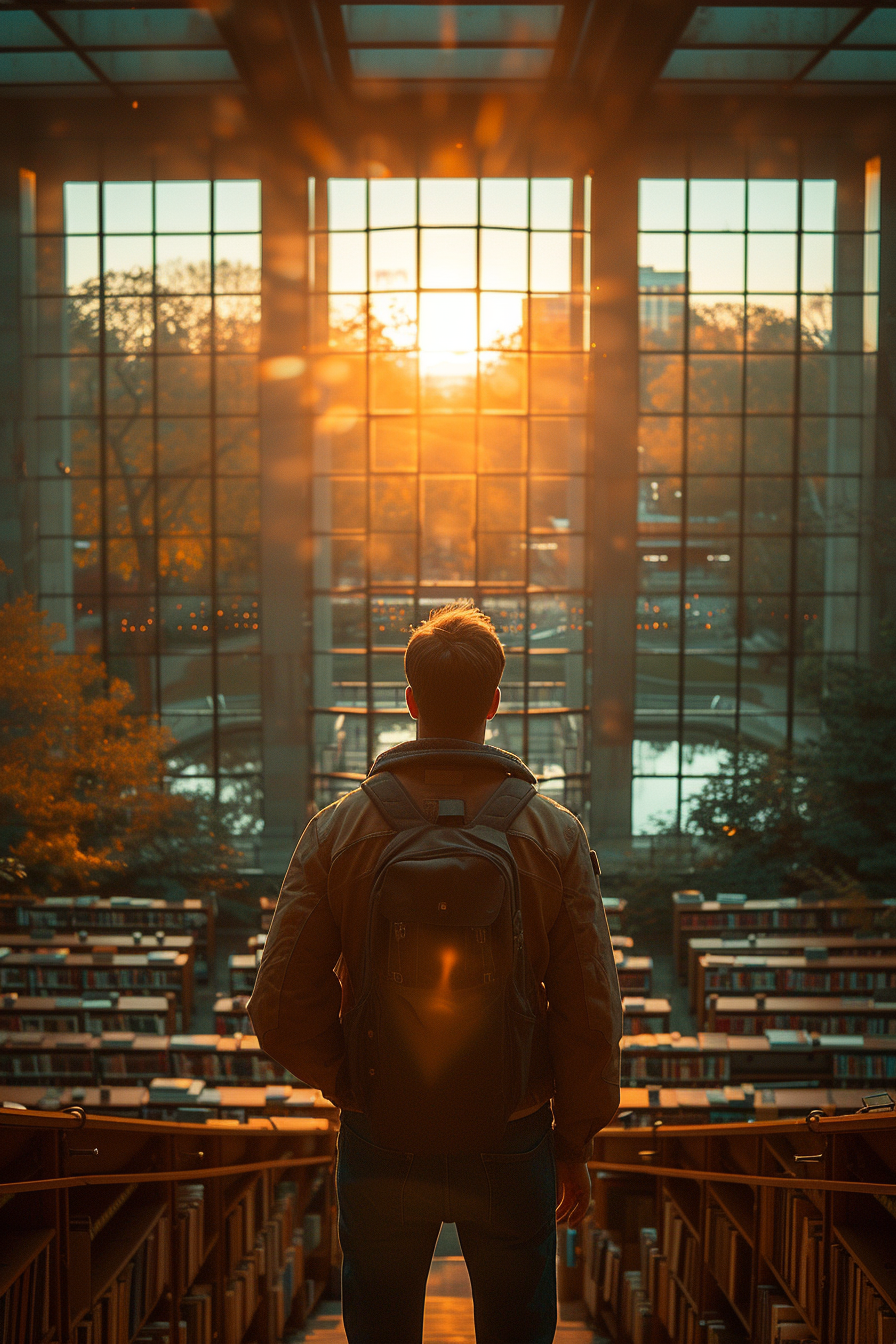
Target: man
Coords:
[[504, 1201]]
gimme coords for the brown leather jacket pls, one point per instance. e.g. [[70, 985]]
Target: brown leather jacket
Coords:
[[313, 952]]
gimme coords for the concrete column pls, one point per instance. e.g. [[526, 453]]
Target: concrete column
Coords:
[[614, 486], [285, 516]]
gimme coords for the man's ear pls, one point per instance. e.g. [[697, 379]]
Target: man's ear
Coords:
[[495, 703], [411, 703]]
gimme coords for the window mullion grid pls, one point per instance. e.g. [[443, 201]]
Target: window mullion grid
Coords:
[[739, 620], [154, 402], [683, 527], [527, 535], [213, 483], [369, 722], [794, 470], [103, 446]]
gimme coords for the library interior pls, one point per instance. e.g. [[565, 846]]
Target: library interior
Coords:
[[582, 311]]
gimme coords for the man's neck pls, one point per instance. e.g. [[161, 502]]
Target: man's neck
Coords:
[[478, 736]]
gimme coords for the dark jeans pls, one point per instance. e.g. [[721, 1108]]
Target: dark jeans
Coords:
[[392, 1206]]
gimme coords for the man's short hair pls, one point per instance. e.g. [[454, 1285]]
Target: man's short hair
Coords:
[[453, 663]]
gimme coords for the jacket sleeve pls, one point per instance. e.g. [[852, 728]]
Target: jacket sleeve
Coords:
[[584, 1011], [294, 1007]]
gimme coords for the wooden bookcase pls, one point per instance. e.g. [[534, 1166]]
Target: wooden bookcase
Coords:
[[859, 944], [745, 1234], [63, 971], [695, 917], [154, 1014], [117, 915], [117, 1229], [712, 1059], [750, 1014], [791, 976]]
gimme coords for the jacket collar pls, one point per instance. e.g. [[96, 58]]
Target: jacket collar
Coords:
[[454, 751]]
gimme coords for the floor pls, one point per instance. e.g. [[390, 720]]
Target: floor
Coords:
[[449, 1313]]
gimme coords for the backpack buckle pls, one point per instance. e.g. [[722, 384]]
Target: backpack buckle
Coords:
[[451, 812]]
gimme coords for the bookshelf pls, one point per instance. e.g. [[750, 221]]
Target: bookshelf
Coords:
[[791, 976], [745, 1234], [154, 1014], [118, 915], [168, 1098], [710, 1058], [645, 1015], [693, 916], [242, 968], [231, 1016], [635, 973], [60, 970], [753, 1013], [188, 1232], [857, 944]]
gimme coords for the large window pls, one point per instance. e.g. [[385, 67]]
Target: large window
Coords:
[[758, 333], [451, 331], [142, 310]]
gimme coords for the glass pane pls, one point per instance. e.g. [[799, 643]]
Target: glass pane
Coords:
[[347, 203], [81, 207], [393, 259], [716, 262], [238, 206], [448, 258], [716, 383], [502, 321], [504, 202], [771, 322], [662, 322], [661, 263], [551, 262], [661, 203], [713, 443], [772, 205], [716, 203], [393, 202], [238, 263], [771, 263], [127, 207], [770, 383], [551, 203], [183, 207], [347, 262], [183, 263], [716, 322], [504, 260], [662, 382], [448, 200]]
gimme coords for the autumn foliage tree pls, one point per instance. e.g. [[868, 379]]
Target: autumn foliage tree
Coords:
[[81, 799]]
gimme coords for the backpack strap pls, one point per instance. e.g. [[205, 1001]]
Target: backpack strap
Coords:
[[394, 801], [505, 804]]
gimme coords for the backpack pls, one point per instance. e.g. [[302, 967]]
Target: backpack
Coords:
[[439, 1040]]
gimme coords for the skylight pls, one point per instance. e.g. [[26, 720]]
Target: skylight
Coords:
[[769, 45], [450, 42], [160, 48]]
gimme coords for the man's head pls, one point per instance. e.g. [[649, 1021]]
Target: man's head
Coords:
[[453, 664]]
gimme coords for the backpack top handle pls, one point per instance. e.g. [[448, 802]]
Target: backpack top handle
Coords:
[[398, 807]]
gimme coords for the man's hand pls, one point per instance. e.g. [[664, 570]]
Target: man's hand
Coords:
[[573, 1192]]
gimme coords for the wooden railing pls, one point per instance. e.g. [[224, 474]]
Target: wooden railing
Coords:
[[114, 1229], [719, 1233]]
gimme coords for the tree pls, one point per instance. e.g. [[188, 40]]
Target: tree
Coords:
[[82, 803], [826, 815]]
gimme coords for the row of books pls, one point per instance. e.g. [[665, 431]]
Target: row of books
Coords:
[[778, 1320], [144, 1014], [766, 950], [751, 1016], [763, 1059], [728, 979], [126, 1057], [680, 1248], [602, 1271], [728, 1256], [25, 1306], [190, 1207], [857, 1309], [122, 1310], [797, 1246]]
